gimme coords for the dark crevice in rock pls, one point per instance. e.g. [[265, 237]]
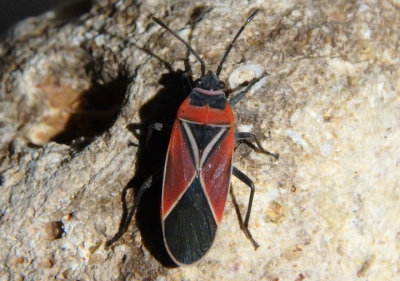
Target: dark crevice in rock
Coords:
[[98, 110]]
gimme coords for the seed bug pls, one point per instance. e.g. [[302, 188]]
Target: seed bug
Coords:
[[198, 165]]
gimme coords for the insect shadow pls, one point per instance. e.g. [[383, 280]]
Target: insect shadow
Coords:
[[150, 160]]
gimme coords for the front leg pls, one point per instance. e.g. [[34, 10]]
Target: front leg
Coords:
[[235, 99]]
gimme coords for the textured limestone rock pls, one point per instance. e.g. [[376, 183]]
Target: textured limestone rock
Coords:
[[78, 92]]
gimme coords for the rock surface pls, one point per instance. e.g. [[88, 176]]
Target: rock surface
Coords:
[[78, 92]]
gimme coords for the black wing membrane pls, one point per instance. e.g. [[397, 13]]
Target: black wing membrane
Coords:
[[189, 230]]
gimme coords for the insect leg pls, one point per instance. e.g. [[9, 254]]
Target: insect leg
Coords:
[[246, 180], [235, 99], [126, 219], [248, 137]]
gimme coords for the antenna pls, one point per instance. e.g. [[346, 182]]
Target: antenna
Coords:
[[203, 65], [233, 42]]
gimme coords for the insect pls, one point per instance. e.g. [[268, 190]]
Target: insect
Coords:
[[199, 166]]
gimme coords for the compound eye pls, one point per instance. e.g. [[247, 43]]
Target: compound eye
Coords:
[[221, 85], [197, 82]]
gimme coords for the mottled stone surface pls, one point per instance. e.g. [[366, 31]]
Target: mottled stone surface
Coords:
[[78, 92]]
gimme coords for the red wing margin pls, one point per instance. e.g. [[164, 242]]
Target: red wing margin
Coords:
[[216, 172], [179, 170]]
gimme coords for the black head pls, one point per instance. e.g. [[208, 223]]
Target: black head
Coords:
[[209, 81]]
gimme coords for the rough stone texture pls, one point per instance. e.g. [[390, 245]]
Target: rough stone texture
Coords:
[[78, 90]]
